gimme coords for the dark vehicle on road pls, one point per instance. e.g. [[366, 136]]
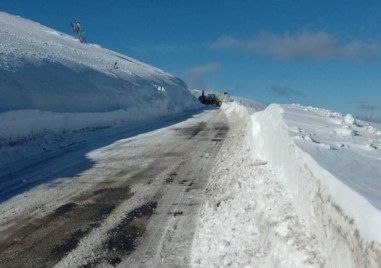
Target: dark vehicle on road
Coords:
[[211, 99]]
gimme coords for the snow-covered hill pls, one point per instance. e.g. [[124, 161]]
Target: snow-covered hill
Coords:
[[51, 81]]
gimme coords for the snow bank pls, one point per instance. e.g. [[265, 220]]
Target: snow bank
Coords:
[[50, 81], [250, 105], [343, 219], [248, 219]]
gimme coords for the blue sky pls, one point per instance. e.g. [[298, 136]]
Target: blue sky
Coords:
[[319, 53]]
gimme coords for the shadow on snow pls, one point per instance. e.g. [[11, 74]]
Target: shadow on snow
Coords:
[[70, 161]]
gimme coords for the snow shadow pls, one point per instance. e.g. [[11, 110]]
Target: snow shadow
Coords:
[[71, 161], [76, 88]]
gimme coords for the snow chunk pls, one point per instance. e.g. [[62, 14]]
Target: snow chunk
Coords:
[[348, 119], [344, 132], [160, 88]]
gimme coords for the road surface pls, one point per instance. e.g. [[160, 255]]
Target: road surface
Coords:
[[133, 202]]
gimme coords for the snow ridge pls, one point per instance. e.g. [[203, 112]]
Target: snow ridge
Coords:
[[343, 220], [248, 219]]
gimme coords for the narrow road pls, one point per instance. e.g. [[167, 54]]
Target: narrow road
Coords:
[[136, 205]]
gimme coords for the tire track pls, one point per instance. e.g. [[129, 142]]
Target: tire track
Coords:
[[170, 187]]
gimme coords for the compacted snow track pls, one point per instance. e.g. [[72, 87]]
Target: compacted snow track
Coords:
[[137, 204]]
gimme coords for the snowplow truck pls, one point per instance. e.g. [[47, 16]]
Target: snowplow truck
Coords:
[[211, 99]]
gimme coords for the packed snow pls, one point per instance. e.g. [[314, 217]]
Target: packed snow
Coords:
[[248, 219], [298, 187], [51, 81], [52, 85], [352, 145], [331, 165]]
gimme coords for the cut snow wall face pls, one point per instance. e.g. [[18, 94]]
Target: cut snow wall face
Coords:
[[55, 87], [51, 82], [347, 237]]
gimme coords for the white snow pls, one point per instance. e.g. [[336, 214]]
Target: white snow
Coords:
[[292, 186], [249, 219], [331, 165], [349, 119], [50, 81], [51, 85], [300, 188]]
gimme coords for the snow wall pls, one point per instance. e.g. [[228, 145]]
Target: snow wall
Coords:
[[51, 81], [347, 225]]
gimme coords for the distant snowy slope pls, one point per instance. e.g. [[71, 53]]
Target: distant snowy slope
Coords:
[[58, 77]]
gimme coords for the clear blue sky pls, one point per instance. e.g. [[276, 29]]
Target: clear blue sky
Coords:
[[323, 53]]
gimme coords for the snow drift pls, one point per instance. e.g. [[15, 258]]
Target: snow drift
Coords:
[[51, 81], [333, 180]]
